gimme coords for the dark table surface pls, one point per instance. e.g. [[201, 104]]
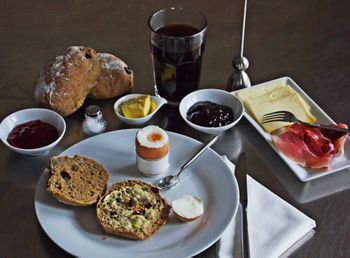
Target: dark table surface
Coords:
[[306, 40]]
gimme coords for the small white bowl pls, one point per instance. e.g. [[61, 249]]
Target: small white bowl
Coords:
[[26, 115], [217, 96], [137, 121]]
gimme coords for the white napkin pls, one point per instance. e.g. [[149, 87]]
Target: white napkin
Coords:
[[273, 224]]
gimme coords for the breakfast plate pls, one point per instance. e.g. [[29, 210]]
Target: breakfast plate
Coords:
[[76, 230], [304, 174]]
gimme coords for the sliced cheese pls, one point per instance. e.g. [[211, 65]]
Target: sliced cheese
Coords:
[[256, 93], [271, 98], [266, 96]]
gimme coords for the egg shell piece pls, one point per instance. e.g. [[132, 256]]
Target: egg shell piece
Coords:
[[188, 208]]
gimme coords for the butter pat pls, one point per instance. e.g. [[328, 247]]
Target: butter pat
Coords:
[[275, 97], [136, 107], [154, 106]]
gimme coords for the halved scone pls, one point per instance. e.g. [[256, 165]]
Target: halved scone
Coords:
[[77, 181], [132, 209]]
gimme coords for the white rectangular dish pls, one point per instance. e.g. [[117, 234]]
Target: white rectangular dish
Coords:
[[304, 174]]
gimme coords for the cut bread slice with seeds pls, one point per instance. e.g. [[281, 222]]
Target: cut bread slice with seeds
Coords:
[[132, 209], [77, 181]]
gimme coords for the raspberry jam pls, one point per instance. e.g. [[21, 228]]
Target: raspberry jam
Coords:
[[33, 134]]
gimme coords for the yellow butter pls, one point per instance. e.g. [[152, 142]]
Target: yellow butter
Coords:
[[275, 97], [154, 106], [136, 107]]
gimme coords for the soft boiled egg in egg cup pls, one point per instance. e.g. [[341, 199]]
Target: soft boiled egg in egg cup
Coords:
[[152, 150]]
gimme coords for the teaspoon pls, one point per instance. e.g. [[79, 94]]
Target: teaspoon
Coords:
[[172, 180]]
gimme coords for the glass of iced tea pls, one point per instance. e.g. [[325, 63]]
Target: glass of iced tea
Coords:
[[177, 46]]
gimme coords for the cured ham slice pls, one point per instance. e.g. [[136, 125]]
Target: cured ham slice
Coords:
[[337, 138], [310, 147]]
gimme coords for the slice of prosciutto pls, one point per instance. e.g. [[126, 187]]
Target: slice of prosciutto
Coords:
[[310, 147], [337, 138]]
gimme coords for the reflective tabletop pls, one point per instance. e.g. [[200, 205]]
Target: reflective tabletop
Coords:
[[305, 40]]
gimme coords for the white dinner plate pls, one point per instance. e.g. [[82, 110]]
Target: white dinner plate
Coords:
[[304, 174], [76, 230]]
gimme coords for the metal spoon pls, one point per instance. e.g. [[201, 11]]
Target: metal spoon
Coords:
[[170, 181]]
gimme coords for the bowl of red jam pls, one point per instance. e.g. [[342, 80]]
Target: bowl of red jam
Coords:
[[32, 131], [211, 111]]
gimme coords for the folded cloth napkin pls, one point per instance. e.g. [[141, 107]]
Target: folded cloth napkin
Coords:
[[273, 224]]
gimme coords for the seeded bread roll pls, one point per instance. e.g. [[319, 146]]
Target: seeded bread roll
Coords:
[[114, 80], [76, 181], [66, 80], [132, 209]]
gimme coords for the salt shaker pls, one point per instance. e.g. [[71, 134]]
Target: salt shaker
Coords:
[[94, 122]]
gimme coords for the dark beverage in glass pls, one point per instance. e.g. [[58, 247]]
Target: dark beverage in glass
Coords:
[[177, 50]]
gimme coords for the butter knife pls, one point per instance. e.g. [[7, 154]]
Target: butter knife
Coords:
[[241, 175]]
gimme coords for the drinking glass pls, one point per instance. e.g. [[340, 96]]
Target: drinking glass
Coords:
[[177, 43]]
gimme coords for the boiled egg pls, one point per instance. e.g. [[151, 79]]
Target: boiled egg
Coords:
[[152, 142]]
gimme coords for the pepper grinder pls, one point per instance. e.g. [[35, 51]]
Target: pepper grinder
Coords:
[[239, 79]]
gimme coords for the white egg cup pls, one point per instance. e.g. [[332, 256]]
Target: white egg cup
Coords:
[[153, 168]]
